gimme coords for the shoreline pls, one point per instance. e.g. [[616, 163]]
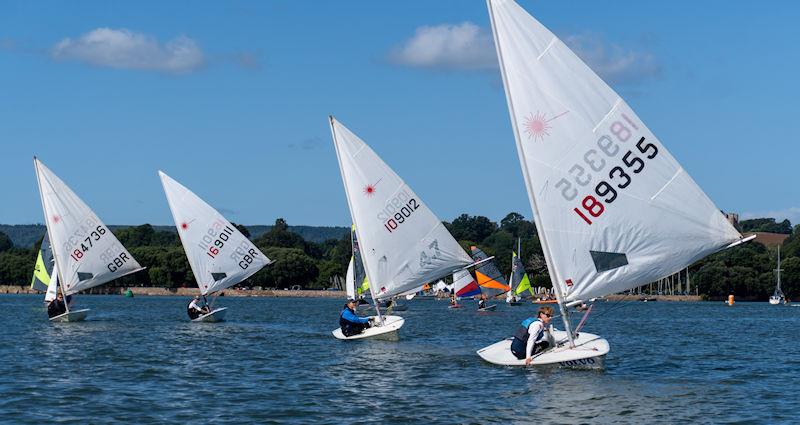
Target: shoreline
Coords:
[[189, 292]]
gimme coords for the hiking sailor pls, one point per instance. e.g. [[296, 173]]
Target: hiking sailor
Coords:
[[196, 309], [533, 336], [349, 321]]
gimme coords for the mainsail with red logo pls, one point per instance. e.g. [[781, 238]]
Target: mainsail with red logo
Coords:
[[219, 254], [614, 210], [86, 253], [403, 244]]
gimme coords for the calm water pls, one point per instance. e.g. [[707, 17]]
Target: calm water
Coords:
[[139, 361]]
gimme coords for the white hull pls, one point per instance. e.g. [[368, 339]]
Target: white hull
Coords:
[[217, 315], [589, 353], [774, 301], [389, 330], [72, 316], [488, 308]]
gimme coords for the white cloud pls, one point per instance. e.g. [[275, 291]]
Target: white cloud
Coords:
[[467, 46], [791, 213], [124, 49], [614, 63], [463, 46]]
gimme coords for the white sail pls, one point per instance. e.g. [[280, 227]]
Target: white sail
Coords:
[[350, 281], [52, 289], [403, 244], [613, 208], [220, 255], [87, 253]]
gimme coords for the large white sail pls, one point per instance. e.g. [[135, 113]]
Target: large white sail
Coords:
[[613, 208], [219, 254], [403, 244], [87, 253]]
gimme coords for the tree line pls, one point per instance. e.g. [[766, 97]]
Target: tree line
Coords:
[[746, 270]]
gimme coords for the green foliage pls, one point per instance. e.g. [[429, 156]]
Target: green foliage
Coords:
[[765, 225], [145, 235], [292, 267], [791, 246], [473, 228], [327, 270], [242, 229], [746, 270], [790, 277], [16, 266], [5, 242]]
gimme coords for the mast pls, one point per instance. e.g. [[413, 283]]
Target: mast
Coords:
[[57, 267], [778, 270], [353, 218], [554, 277]]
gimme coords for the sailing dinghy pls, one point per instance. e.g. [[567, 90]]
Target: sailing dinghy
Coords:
[[403, 244], [613, 209], [778, 297], [45, 279], [219, 254], [85, 252], [521, 290], [464, 286], [490, 281]]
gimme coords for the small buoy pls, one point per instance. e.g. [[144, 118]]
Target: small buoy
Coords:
[[129, 293], [730, 299]]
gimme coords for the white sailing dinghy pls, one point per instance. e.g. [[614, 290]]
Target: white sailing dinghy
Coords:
[[778, 297], [219, 254], [403, 244], [85, 251], [613, 209]]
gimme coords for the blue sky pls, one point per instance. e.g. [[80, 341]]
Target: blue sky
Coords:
[[231, 99]]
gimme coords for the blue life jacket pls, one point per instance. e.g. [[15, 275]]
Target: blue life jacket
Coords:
[[350, 327], [522, 332]]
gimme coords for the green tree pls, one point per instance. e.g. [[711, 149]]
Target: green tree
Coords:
[[5, 242], [292, 267], [242, 229], [473, 228]]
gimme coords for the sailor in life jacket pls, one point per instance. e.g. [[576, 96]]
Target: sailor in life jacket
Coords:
[[533, 336], [349, 322]]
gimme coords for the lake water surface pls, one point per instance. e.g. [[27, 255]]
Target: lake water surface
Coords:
[[139, 360]]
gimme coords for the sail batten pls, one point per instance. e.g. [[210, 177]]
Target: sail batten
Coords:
[[598, 180], [403, 244], [220, 256]]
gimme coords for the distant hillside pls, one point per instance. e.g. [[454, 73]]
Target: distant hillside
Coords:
[[26, 235]]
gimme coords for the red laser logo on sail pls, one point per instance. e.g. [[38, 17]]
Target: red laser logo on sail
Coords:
[[537, 126], [369, 189], [184, 226], [56, 219]]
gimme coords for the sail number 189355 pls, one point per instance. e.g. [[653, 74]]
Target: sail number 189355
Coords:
[[618, 177]]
